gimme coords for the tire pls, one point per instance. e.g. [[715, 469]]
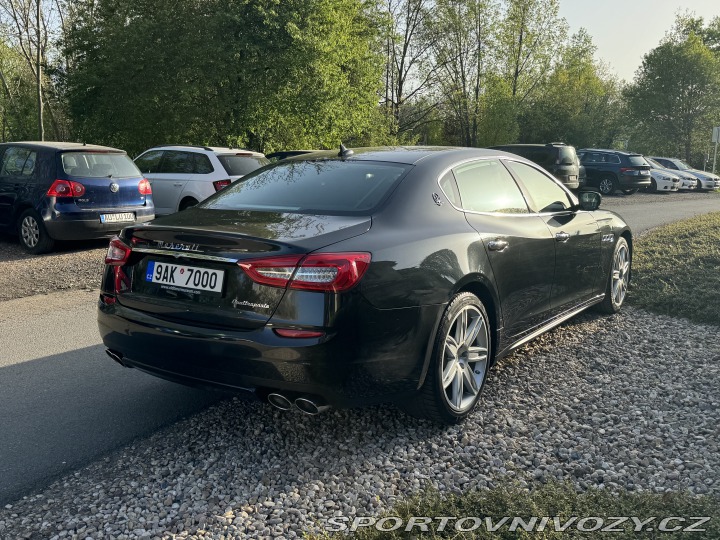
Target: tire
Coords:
[[632, 191], [33, 235], [456, 375], [187, 203], [653, 186], [618, 279], [607, 185]]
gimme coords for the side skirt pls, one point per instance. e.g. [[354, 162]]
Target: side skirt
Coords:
[[551, 324]]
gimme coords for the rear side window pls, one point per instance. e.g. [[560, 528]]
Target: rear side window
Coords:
[[486, 186], [201, 164], [312, 187], [240, 165], [149, 161], [18, 161], [98, 165], [541, 157], [638, 161]]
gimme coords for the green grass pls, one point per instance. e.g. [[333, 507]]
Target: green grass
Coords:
[[676, 270], [552, 499]]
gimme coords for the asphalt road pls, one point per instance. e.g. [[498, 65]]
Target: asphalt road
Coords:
[[642, 215], [64, 403]]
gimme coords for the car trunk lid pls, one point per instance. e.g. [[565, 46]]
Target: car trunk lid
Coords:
[[168, 255]]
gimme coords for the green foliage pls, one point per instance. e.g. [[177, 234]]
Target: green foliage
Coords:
[[578, 104], [551, 499], [17, 96], [265, 74], [675, 97], [675, 269]]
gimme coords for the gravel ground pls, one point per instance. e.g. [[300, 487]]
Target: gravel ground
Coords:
[[73, 266], [600, 401]]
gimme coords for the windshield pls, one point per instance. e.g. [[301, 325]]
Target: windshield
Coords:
[[682, 165], [312, 187], [654, 164], [240, 165], [98, 165]]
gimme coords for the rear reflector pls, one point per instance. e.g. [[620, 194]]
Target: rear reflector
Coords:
[[220, 184], [144, 187], [66, 188], [290, 333], [328, 272], [118, 253]]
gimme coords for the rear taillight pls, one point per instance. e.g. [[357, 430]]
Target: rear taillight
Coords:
[[144, 187], [66, 188], [220, 184], [297, 334], [118, 252], [328, 272]]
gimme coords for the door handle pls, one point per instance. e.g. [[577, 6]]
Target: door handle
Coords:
[[178, 184], [562, 237], [497, 245]]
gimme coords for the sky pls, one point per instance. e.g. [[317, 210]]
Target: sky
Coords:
[[625, 30]]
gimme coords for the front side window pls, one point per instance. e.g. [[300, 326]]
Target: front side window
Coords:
[[546, 195], [18, 161], [486, 186], [327, 187]]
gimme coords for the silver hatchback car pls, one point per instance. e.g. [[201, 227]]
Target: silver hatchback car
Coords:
[[182, 176]]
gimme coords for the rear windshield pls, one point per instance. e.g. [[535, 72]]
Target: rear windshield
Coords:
[[638, 161], [312, 187], [566, 153], [242, 165], [98, 165]]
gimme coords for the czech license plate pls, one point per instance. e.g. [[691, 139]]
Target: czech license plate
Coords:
[[185, 277], [117, 218]]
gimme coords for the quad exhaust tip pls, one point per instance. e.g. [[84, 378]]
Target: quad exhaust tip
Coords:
[[306, 404], [280, 402]]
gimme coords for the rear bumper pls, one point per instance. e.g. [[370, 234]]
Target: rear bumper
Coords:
[[569, 181], [373, 359], [634, 182], [86, 225]]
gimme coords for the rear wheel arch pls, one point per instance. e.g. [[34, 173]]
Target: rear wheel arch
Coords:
[[492, 305], [18, 212], [187, 202]]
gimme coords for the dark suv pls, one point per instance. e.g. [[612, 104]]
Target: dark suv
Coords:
[[68, 191], [559, 159], [612, 170]]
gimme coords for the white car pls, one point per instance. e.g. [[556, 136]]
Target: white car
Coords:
[[663, 179], [706, 180], [182, 176]]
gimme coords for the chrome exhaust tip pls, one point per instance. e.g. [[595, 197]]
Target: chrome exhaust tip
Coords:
[[279, 401], [116, 356], [310, 405]]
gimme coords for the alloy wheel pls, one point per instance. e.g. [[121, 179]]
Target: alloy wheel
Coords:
[[620, 274], [606, 186], [465, 359], [30, 231]]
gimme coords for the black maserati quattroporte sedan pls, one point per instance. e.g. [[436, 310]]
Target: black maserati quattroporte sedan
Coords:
[[347, 278]]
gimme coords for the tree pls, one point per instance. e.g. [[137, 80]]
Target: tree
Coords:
[[578, 103], [674, 95], [264, 74]]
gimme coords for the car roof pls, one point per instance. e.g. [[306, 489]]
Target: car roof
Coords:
[[222, 150], [408, 155], [609, 150], [64, 146]]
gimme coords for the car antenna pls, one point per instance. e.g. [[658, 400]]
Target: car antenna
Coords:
[[344, 152]]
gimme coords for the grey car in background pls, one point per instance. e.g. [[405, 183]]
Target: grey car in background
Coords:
[[706, 180]]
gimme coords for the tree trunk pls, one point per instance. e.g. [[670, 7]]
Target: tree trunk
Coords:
[[41, 130]]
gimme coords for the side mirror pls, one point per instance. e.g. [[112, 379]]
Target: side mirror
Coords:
[[589, 200]]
